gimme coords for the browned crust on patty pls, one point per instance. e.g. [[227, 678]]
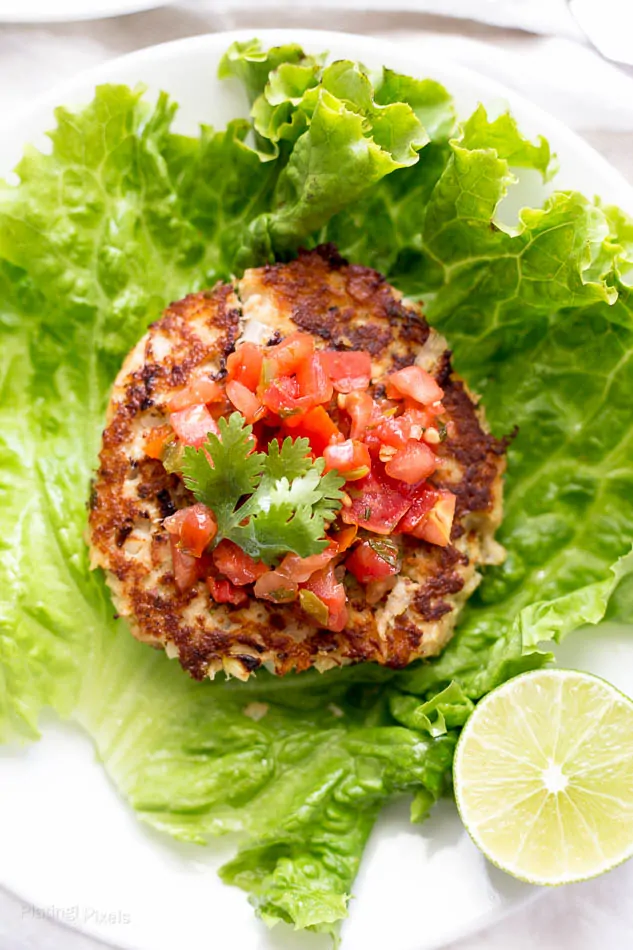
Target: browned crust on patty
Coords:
[[345, 306]]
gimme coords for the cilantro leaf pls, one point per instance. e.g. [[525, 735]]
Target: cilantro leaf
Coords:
[[290, 460], [236, 469], [288, 500]]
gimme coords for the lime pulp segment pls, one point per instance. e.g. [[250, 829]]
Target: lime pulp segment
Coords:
[[544, 776]]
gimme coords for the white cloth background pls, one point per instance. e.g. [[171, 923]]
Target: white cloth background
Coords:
[[550, 65]]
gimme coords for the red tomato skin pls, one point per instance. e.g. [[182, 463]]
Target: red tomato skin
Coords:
[[325, 586], [436, 525], [286, 357], [276, 587], [347, 456], [366, 565], [360, 408], [187, 570], [416, 383], [236, 564], [192, 425], [412, 463], [195, 527], [223, 592], [301, 569], [348, 371], [313, 381], [185, 567], [378, 503], [422, 502], [244, 365], [197, 392], [282, 397], [244, 400]]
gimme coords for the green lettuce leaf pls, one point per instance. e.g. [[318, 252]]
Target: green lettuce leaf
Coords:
[[124, 216]]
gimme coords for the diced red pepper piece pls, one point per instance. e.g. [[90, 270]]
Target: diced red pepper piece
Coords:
[[156, 440], [348, 371], [345, 538], [192, 425], [315, 425]]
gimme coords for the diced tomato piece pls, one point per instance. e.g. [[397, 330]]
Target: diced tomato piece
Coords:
[[244, 401], [313, 381], [421, 416], [422, 502], [286, 357], [197, 392], [275, 586], [192, 425], [316, 425], [236, 564], [156, 439], [223, 592], [368, 562], [378, 503], [331, 592], [413, 462], [244, 365], [300, 569], [436, 526], [282, 397], [360, 408], [185, 567], [348, 371], [415, 382], [350, 458], [194, 528], [389, 431]]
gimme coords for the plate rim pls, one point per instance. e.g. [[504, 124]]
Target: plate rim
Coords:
[[84, 81], [99, 73], [117, 9]]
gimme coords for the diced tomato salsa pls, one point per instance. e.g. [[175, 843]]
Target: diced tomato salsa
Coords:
[[384, 446]]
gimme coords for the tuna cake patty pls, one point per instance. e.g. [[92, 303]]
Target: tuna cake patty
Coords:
[[345, 307]]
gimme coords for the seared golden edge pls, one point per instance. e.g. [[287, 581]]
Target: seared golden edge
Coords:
[[344, 306]]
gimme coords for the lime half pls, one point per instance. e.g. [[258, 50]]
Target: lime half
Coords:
[[544, 776]]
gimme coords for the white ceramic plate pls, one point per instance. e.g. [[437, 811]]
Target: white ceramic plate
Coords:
[[56, 11], [69, 845]]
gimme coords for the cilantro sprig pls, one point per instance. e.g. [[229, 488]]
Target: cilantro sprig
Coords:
[[269, 503]]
